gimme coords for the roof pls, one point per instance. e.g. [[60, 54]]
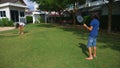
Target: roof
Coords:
[[12, 1], [13, 4]]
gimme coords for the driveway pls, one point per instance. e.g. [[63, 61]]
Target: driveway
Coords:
[[6, 28]]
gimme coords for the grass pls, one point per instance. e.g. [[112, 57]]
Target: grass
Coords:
[[51, 46]]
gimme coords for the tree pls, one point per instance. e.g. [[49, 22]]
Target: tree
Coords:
[[110, 4], [57, 5], [52, 4]]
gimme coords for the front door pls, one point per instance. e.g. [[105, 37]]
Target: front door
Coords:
[[14, 15]]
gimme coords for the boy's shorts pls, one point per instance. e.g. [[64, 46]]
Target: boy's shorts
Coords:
[[91, 41]]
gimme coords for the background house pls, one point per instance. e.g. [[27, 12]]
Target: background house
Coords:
[[36, 14], [13, 10], [101, 5]]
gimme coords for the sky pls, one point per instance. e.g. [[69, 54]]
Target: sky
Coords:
[[30, 4]]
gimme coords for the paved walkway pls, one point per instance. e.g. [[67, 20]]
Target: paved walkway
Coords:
[[6, 28]]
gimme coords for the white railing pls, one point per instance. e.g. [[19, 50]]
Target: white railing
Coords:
[[95, 3]]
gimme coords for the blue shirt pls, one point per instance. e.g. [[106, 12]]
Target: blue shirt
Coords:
[[95, 24]]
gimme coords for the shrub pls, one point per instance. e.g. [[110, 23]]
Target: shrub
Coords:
[[6, 22], [1, 24], [29, 19], [41, 19], [87, 19]]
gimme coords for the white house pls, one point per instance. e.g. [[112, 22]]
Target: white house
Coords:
[[13, 10], [101, 5], [36, 13]]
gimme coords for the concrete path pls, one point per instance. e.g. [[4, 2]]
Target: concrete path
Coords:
[[6, 28]]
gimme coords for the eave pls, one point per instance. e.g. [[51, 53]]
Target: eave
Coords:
[[12, 4]]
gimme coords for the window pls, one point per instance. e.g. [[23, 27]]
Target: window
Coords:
[[22, 14], [14, 15], [2, 14]]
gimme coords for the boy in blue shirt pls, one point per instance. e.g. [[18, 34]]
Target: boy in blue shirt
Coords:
[[94, 27]]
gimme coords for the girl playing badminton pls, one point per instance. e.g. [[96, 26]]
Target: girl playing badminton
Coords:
[[20, 26]]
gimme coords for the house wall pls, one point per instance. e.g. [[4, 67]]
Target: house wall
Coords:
[[115, 9], [7, 11], [104, 4], [8, 15]]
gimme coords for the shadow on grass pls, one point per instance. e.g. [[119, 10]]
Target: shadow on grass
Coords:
[[110, 41], [8, 35], [45, 25], [26, 32], [11, 34], [84, 48], [79, 31]]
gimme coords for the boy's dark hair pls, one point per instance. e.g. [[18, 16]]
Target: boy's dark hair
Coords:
[[95, 15], [17, 25]]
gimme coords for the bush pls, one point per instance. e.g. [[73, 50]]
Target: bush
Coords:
[[41, 19], [87, 19], [29, 19], [6, 22]]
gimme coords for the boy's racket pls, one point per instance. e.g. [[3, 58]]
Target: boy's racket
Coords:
[[80, 19], [83, 20]]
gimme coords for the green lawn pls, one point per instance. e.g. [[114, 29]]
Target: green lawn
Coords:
[[51, 46]]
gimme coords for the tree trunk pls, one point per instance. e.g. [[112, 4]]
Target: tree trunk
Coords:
[[110, 15], [74, 16], [74, 19]]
